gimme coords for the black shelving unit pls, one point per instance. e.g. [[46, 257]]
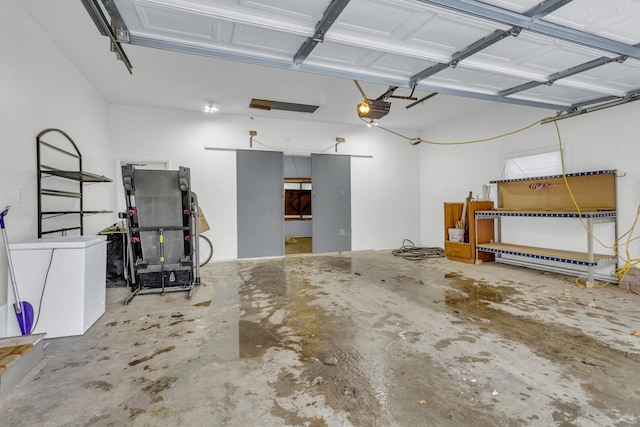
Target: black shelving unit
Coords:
[[61, 181]]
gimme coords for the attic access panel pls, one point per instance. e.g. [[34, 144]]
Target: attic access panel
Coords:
[[265, 104], [491, 49]]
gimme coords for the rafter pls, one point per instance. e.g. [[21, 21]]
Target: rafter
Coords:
[[541, 9], [329, 16], [497, 14]]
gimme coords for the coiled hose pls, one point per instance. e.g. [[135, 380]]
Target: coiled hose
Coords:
[[414, 253]]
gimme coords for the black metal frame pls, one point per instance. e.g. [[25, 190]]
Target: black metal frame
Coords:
[[78, 175], [146, 278]]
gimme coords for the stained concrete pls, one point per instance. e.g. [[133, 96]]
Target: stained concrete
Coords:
[[353, 339], [301, 245]]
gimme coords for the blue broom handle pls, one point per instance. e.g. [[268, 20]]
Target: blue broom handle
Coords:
[[2, 215], [17, 304]]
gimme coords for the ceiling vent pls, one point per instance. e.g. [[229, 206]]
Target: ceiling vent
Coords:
[[265, 104]]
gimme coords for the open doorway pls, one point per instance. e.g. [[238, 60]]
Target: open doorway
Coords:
[[298, 218]]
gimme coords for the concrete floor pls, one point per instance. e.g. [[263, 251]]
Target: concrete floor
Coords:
[[301, 245], [362, 339]]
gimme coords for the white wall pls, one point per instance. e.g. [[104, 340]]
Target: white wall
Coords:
[[601, 140], [385, 188], [40, 89]]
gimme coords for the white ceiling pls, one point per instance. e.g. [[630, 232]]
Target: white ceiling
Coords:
[[239, 49]]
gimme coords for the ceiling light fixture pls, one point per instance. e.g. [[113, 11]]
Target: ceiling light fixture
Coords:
[[209, 108], [363, 108], [373, 108]]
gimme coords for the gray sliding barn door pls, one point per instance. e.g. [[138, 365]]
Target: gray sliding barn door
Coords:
[[331, 203], [260, 178]]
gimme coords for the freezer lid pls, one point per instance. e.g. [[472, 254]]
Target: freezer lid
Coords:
[[58, 242]]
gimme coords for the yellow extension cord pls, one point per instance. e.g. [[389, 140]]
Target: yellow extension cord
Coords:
[[629, 262]]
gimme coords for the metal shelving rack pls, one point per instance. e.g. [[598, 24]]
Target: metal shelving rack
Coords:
[[527, 197], [65, 181]]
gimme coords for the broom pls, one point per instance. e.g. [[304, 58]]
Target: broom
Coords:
[[24, 310]]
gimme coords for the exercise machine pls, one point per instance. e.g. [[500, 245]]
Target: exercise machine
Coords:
[[162, 231]]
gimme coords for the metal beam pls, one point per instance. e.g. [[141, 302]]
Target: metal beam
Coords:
[[497, 14], [609, 101], [559, 75], [581, 105], [546, 7], [327, 71], [521, 88], [566, 73], [630, 97], [541, 9], [431, 95], [488, 97], [475, 47], [387, 94], [329, 16], [586, 66], [122, 32], [94, 10]]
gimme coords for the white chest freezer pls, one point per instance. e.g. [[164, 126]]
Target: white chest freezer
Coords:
[[64, 279]]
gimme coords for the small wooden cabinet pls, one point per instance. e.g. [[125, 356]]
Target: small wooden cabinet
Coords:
[[466, 251]]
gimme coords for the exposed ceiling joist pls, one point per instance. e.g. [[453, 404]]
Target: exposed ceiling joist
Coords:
[[490, 97], [117, 22], [476, 47], [607, 102], [581, 68], [234, 56], [407, 43], [328, 18], [581, 105], [541, 9], [546, 7], [560, 75], [103, 25], [497, 14]]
